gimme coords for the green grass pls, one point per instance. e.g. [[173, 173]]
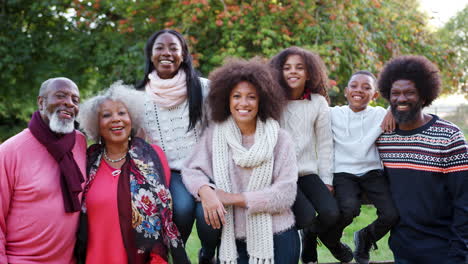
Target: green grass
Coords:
[[367, 216]]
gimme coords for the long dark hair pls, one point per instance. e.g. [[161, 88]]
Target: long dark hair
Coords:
[[194, 90], [315, 68]]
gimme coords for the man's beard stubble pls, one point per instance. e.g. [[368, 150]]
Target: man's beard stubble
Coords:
[[402, 117], [57, 125]]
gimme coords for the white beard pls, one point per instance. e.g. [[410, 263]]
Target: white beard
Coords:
[[57, 125]]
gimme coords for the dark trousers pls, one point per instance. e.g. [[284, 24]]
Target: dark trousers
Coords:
[[209, 237], [348, 188], [314, 197], [186, 209], [286, 248], [403, 261]]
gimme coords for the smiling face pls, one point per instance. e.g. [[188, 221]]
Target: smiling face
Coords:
[[59, 106], [243, 104], [295, 75], [405, 102], [360, 91], [115, 124], [167, 55]]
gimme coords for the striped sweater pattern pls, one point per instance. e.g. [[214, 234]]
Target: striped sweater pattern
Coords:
[[439, 148]]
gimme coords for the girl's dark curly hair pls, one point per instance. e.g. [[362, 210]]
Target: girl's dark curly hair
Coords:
[[418, 69], [254, 71], [194, 90], [315, 69]]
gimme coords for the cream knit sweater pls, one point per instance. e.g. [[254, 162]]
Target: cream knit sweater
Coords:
[[309, 124], [276, 199], [167, 128]]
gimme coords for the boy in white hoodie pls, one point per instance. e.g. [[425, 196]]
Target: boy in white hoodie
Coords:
[[357, 165]]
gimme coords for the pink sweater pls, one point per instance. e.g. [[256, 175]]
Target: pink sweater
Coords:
[[34, 227], [276, 199]]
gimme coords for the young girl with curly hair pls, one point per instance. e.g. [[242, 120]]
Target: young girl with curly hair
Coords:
[[303, 77]]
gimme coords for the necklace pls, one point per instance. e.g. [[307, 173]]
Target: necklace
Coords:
[[112, 160]]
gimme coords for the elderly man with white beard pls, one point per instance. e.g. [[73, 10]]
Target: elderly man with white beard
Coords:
[[41, 179]]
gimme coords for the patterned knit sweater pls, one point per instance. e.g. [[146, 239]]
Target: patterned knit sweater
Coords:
[[428, 173], [167, 128], [309, 124]]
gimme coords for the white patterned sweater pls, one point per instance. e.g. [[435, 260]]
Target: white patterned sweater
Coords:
[[309, 124], [167, 128]]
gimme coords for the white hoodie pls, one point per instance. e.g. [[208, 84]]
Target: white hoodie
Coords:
[[354, 136]]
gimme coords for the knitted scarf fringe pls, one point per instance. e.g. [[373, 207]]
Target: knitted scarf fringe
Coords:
[[260, 156]]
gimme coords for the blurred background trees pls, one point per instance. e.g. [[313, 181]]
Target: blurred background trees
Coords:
[[98, 42]]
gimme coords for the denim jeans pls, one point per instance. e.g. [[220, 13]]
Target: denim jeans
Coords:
[[209, 237], [286, 248], [183, 206], [186, 210]]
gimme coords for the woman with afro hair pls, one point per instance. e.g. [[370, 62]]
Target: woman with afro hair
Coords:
[[244, 167]]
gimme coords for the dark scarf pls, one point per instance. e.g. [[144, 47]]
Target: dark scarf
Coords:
[[147, 228], [61, 149]]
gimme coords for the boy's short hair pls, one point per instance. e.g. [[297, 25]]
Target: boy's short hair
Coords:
[[368, 73]]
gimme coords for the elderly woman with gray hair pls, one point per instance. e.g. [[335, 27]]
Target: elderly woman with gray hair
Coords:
[[127, 206]]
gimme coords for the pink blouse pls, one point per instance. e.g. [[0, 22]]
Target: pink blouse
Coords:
[[105, 243]]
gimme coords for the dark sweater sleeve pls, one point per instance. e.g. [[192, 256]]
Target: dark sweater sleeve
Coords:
[[457, 172]]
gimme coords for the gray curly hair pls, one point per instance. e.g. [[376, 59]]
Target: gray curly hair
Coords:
[[88, 117]]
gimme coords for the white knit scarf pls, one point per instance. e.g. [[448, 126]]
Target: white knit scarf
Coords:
[[259, 157], [167, 92]]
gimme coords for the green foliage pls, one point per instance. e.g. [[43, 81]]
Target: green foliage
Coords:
[[460, 118], [454, 36], [97, 42], [36, 43]]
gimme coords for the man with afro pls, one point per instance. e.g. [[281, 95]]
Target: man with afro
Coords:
[[426, 160]]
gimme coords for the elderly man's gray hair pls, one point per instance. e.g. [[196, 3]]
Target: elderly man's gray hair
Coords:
[[131, 98], [46, 83]]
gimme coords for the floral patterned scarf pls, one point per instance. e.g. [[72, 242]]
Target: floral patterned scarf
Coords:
[[144, 205]]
